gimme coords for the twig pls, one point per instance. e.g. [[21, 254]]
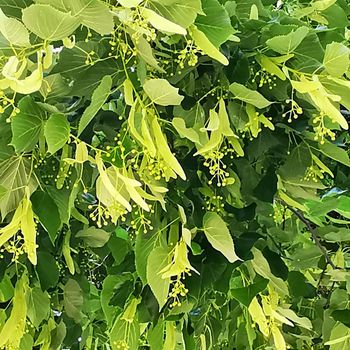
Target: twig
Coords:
[[313, 232]]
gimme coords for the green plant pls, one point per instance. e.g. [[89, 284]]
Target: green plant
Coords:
[[174, 174]]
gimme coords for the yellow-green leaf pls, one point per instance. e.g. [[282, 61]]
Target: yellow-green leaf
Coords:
[[206, 46], [285, 44], [49, 23], [12, 332], [130, 3], [336, 59], [28, 229], [164, 151], [254, 12], [162, 23], [162, 93], [128, 92], [13, 30], [249, 96], [257, 314], [13, 227], [157, 260], [278, 338], [66, 251], [270, 66]]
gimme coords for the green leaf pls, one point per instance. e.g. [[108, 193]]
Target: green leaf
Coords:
[[26, 125], [87, 11], [119, 249], [73, 300], [56, 132], [13, 30], [219, 236], [249, 96], [98, 99], [94, 14], [121, 233], [215, 24], [246, 294], [57, 335], [340, 337], [285, 44], [182, 12], [47, 270], [145, 51], [63, 199], [15, 175], [306, 257], [189, 133], [124, 331], [339, 234], [162, 93], [3, 191], [46, 210], [157, 260], [13, 8], [94, 237], [38, 306], [111, 286], [332, 151], [336, 59], [27, 342], [261, 266], [54, 86], [6, 289], [143, 247], [49, 23]]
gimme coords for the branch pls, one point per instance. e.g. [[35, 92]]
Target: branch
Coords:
[[313, 232]]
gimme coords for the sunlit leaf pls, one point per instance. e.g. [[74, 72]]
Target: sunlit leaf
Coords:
[[162, 93], [285, 44], [219, 236], [49, 23], [56, 132], [13, 30], [336, 59], [249, 96]]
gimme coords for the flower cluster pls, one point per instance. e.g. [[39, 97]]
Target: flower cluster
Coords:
[[188, 55], [321, 130], [176, 270], [294, 111], [178, 290], [15, 247], [121, 344], [140, 223], [263, 77], [217, 168], [214, 203]]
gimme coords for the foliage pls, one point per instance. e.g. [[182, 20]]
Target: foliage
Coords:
[[174, 174]]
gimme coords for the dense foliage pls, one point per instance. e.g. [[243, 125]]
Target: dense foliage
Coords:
[[174, 174]]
